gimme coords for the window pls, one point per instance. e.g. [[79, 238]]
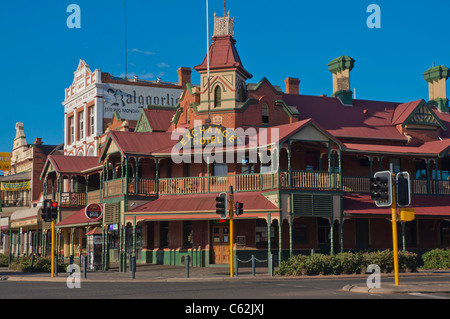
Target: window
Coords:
[[163, 234], [265, 113], [81, 121], [91, 120], [220, 169], [248, 165], [217, 96], [71, 130], [396, 163], [188, 239]]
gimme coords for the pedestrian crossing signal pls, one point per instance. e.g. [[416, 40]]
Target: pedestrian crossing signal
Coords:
[[239, 209]]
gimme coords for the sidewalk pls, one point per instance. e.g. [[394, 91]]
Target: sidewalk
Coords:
[[144, 273], [164, 273]]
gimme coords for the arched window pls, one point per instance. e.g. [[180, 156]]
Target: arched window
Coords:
[[217, 96], [265, 113]]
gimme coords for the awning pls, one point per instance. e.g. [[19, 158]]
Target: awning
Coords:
[[77, 219], [357, 205], [25, 213], [16, 177], [25, 217], [201, 206]]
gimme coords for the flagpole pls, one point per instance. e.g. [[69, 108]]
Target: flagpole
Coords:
[[208, 62], [126, 57]]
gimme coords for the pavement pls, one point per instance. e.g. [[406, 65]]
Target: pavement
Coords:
[[423, 281]]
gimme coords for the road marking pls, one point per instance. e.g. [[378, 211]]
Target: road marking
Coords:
[[427, 295]]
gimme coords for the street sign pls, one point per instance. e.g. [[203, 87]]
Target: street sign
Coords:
[[94, 211]]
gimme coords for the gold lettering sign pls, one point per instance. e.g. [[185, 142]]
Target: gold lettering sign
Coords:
[[5, 161], [211, 135]]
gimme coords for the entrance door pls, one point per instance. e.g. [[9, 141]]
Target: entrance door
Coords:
[[220, 243]]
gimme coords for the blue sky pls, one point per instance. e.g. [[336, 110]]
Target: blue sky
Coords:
[[275, 39]]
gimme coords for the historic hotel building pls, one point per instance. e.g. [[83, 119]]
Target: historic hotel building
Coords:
[[306, 188]]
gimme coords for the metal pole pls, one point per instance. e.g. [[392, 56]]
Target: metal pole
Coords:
[[53, 249], [85, 266], [208, 62], [253, 265], [394, 226], [231, 231], [186, 261]]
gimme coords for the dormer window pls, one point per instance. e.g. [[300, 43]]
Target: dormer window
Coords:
[[217, 96]]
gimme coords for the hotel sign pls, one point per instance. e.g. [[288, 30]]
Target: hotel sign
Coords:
[[208, 135]]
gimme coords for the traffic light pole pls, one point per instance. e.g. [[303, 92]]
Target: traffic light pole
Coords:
[[231, 232], [394, 230], [53, 249]]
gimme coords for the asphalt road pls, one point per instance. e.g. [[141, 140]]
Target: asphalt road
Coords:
[[218, 290]]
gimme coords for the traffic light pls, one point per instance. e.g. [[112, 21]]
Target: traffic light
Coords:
[[403, 189], [239, 208], [222, 205], [54, 210], [49, 210], [381, 188]]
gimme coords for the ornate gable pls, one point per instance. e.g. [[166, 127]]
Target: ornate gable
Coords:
[[423, 115]]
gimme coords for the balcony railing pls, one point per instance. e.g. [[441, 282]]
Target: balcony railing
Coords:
[[314, 180], [72, 199], [355, 184]]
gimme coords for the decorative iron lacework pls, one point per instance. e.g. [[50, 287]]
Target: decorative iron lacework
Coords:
[[224, 25]]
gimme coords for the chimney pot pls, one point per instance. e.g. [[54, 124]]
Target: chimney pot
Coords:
[[184, 76], [292, 85], [437, 77]]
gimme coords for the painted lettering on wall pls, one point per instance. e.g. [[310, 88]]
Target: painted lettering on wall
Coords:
[[129, 101]]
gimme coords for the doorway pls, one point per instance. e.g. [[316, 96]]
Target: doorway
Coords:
[[220, 243]]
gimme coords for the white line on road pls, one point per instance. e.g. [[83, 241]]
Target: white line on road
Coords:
[[418, 294]]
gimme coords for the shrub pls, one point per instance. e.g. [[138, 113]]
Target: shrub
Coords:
[[436, 259], [345, 263], [41, 264], [3, 260]]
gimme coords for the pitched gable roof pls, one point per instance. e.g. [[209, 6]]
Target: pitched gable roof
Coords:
[[364, 120], [71, 164], [144, 143]]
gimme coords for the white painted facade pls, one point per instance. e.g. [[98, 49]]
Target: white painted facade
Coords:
[[90, 103]]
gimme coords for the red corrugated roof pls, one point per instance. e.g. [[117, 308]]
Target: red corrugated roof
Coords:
[[159, 120], [142, 142], [402, 111], [78, 218], [73, 164], [365, 119], [363, 205], [253, 201], [433, 148]]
